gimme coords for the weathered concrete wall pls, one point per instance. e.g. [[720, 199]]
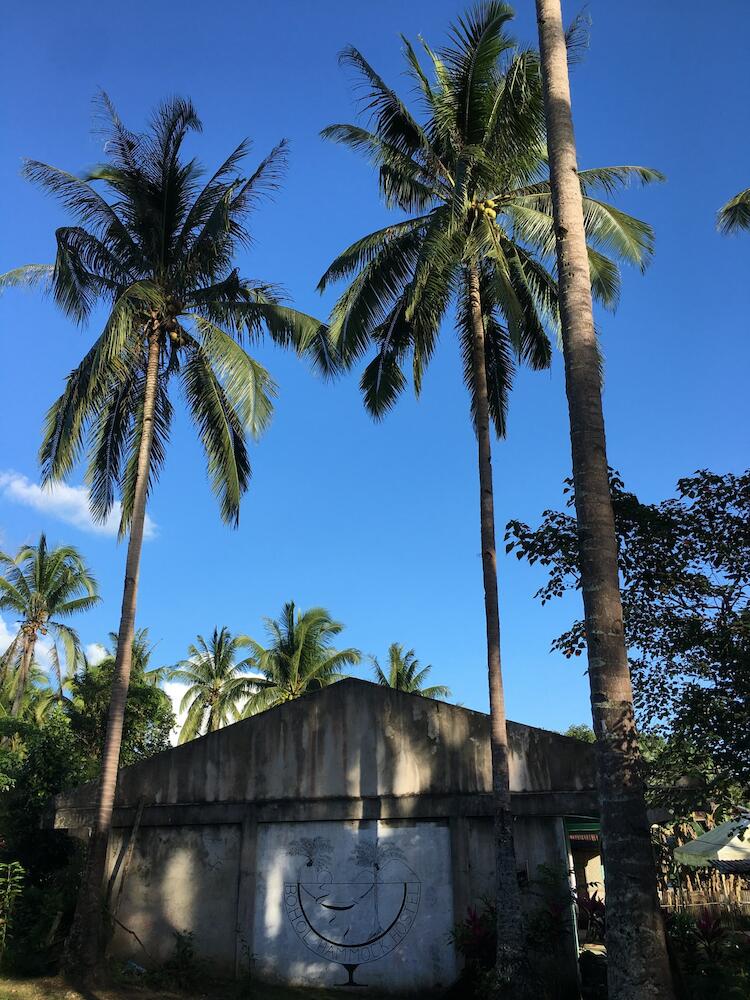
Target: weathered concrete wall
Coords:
[[182, 879], [351, 740], [256, 838]]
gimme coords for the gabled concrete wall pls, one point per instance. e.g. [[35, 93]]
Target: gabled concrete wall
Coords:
[[356, 771], [351, 740]]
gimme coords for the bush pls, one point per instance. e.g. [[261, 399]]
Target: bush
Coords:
[[713, 959]]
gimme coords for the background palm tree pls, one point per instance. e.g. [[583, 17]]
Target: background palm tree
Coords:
[[736, 213], [158, 253], [211, 670], [637, 961], [405, 673], [41, 586], [141, 652], [468, 167], [38, 698], [298, 659]]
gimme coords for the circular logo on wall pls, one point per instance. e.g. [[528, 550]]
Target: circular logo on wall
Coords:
[[359, 919]]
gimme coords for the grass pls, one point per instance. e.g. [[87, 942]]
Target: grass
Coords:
[[57, 989]]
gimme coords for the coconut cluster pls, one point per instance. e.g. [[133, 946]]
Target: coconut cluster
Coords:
[[488, 208], [170, 324]]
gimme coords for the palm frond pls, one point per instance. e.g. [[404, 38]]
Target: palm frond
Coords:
[[735, 214], [221, 430]]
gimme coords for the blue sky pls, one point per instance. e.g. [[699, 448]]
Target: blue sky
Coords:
[[379, 523]]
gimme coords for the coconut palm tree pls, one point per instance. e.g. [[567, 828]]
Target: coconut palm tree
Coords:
[[468, 168], [736, 213], [154, 244], [638, 965], [211, 670], [42, 586], [142, 651], [405, 673], [40, 696], [299, 658]]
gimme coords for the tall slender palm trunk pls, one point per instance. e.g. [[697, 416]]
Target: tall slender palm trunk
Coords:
[[85, 942], [636, 946], [509, 927], [24, 668]]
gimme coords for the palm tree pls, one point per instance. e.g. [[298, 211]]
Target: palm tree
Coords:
[[736, 213], [42, 586], [405, 673], [298, 659], [38, 696], [211, 671], [638, 965], [469, 170], [141, 652], [155, 246]]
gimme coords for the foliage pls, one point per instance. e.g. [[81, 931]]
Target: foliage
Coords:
[[41, 586], [149, 718], [713, 959], [592, 914], [141, 652], [736, 213], [11, 887], [467, 166], [581, 731], [181, 971], [213, 695], [405, 673], [475, 939], [547, 930], [299, 658], [41, 761], [43, 755], [685, 569], [155, 244], [36, 701]]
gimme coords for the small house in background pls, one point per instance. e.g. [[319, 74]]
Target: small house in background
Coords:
[[725, 848], [337, 839]]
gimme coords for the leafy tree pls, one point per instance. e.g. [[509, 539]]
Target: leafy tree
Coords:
[[581, 731], [211, 670], [149, 718], [38, 760], [468, 167], [38, 696], [685, 570], [155, 245], [405, 673], [42, 586], [299, 658], [735, 214]]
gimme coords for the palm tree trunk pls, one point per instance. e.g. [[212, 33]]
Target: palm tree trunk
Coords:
[[84, 944], [636, 946], [24, 669], [509, 927]]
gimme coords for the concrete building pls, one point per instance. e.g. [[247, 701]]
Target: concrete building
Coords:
[[335, 839]]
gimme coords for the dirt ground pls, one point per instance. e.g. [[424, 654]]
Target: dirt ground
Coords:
[[56, 989]]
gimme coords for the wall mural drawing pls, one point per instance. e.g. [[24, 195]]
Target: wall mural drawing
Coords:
[[351, 909], [365, 902]]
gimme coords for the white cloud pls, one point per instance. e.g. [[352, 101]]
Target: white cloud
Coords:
[[66, 503], [7, 635], [175, 692], [95, 653]]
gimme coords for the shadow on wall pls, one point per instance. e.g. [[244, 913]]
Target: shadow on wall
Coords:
[[180, 879]]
